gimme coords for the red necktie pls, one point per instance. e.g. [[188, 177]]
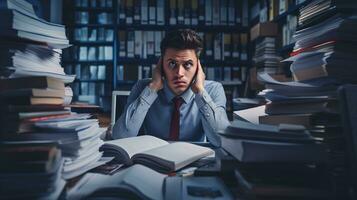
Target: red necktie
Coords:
[[175, 119]]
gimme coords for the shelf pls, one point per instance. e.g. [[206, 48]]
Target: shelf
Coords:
[[139, 61], [87, 62], [91, 25], [224, 63], [126, 82], [150, 61], [211, 28], [92, 43], [94, 9]]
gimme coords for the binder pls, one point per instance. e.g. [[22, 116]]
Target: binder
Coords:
[[160, 12], [137, 11], [144, 12], [180, 12], [208, 12], [187, 12], [201, 12], [130, 44], [227, 41], [150, 44], [194, 12], [129, 11], [152, 12], [158, 38], [224, 12], [231, 13], [122, 43], [173, 20], [216, 12], [122, 10], [217, 45], [138, 44]]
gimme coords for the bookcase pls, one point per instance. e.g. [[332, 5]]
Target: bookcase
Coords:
[[279, 14], [117, 42]]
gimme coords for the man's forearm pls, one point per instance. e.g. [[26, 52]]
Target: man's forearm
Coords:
[[129, 123], [214, 117]]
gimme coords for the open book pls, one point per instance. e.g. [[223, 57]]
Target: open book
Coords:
[[155, 153]]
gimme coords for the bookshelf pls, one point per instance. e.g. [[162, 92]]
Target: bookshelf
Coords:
[[284, 14], [138, 28]]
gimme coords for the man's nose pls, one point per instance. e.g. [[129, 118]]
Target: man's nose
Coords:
[[180, 70]]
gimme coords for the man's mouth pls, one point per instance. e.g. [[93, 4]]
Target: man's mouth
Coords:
[[179, 83]]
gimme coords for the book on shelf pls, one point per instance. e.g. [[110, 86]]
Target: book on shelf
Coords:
[[156, 153], [144, 12], [137, 12], [173, 13], [129, 11], [152, 11]]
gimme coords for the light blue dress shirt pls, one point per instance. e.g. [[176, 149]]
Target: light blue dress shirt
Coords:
[[150, 113]]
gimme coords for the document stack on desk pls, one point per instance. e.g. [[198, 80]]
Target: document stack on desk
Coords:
[[323, 59], [34, 105], [268, 159], [30, 170]]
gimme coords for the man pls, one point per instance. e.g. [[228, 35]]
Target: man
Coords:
[[177, 103]]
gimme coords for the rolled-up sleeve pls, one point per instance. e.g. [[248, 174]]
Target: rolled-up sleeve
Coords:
[[213, 111], [131, 120]]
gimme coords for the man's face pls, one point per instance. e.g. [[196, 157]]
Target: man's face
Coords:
[[180, 68]]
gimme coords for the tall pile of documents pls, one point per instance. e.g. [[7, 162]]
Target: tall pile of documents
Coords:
[[323, 59], [42, 141]]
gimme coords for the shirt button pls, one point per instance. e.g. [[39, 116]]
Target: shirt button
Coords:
[[205, 107], [207, 114]]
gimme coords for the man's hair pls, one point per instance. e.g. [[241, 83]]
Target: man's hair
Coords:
[[182, 39]]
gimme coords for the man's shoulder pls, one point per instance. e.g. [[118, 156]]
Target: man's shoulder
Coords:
[[212, 85], [142, 83]]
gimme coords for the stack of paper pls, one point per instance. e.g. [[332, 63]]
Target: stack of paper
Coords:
[[81, 149], [34, 109]]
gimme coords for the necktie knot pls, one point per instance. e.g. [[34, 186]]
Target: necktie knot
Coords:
[[177, 102]]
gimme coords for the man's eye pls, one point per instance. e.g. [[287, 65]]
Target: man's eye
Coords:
[[187, 65], [172, 64]]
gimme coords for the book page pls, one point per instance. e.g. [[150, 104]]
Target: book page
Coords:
[[138, 144], [145, 180], [178, 154]]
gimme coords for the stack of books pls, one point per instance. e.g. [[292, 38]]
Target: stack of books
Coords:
[[325, 41], [323, 59], [34, 104], [32, 168], [275, 162], [265, 57]]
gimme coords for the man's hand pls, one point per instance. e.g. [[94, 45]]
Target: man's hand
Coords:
[[198, 85], [157, 82]]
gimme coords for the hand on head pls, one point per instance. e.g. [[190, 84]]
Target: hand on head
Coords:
[[157, 79], [198, 85]]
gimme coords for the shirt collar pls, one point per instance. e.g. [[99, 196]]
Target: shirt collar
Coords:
[[186, 96]]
